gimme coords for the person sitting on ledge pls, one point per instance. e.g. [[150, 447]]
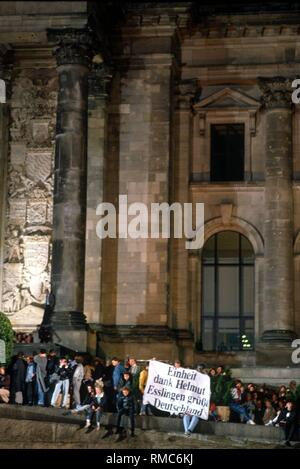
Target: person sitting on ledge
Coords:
[[4, 385], [236, 404], [190, 422]]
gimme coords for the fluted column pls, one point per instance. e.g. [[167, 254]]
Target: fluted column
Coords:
[[74, 52], [278, 310]]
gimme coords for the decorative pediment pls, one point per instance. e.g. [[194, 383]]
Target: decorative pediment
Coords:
[[227, 98]]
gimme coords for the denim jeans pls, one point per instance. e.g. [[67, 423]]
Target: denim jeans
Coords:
[[41, 394], [81, 408], [90, 413], [239, 409], [146, 409], [64, 386], [190, 423]]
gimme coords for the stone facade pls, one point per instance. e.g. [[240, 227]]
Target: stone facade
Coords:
[[125, 106]]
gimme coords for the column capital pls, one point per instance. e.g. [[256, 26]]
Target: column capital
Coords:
[[187, 92], [73, 46], [276, 92]]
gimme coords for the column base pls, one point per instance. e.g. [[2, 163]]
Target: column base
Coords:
[[70, 330], [279, 336]]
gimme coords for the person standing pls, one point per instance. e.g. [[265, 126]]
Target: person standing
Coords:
[[41, 374], [30, 381], [18, 372], [125, 407], [52, 365], [145, 408], [119, 369], [64, 373], [45, 330], [77, 380]]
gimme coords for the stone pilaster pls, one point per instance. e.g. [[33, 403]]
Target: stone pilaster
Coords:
[[186, 91], [278, 311], [99, 81], [74, 52]]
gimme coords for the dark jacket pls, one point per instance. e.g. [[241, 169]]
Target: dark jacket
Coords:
[[64, 373], [126, 403], [18, 372], [288, 417], [52, 364], [98, 404], [99, 371], [88, 400], [125, 384]]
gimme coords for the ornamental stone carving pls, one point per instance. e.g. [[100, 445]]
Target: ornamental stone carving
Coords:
[[276, 91], [27, 253]]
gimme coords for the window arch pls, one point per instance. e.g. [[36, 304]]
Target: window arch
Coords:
[[227, 293]]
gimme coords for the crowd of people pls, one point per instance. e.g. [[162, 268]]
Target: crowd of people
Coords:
[[82, 384], [77, 384], [261, 404], [23, 338]]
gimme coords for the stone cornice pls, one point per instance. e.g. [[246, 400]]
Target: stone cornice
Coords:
[[145, 15], [233, 187], [74, 46], [232, 31], [276, 92]]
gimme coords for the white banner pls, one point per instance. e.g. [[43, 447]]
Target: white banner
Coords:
[[177, 390]]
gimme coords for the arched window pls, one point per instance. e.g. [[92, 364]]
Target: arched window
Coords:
[[227, 293]]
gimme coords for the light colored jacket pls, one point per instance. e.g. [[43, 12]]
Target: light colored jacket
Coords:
[[78, 373], [143, 380]]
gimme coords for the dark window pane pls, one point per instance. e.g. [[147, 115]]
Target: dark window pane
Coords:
[[228, 337], [248, 290], [208, 335], [247, 251], [209, 290], [228, 290], [208, 254], [227, 152], [228, 293], [228, 247]]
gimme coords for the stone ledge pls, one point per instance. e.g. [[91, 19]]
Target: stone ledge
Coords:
[[160, 424]]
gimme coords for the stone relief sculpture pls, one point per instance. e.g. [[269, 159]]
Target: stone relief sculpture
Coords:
[[30, 196], [14, 246]]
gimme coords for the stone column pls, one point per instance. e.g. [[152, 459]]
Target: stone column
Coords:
[[74, 52], [278, 310]]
